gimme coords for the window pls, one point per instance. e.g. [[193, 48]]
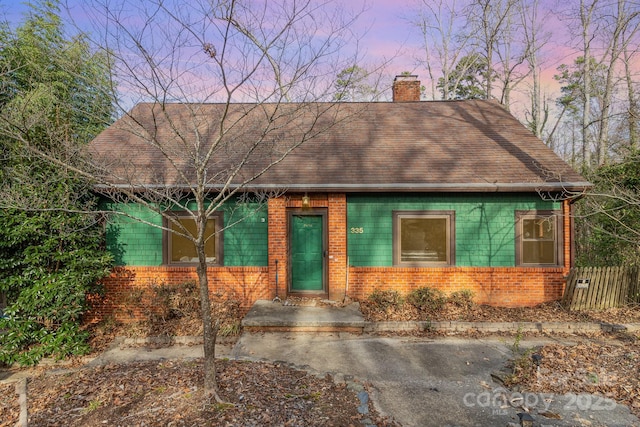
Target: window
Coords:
[[538, 238], [423, 238], [180, 250]]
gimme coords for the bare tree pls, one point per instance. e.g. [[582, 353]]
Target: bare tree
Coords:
[[225, 90], [491, 25], [444, 41], [622, 28], [535, 38], [633, 114], [511, 52], [606, 31], [586, 16]]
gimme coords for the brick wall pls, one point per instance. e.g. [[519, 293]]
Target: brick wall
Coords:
[[127, 290], [499, 286], [336, 206]]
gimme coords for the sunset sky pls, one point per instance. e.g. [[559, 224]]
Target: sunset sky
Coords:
[[388, 35]]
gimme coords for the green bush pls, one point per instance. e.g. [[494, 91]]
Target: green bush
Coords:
[[427, 299], [386, 299], [49, 263], [52, 251]]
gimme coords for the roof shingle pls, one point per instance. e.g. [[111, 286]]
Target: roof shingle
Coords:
[[414, 146]]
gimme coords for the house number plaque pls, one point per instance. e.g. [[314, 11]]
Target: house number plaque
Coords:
[[356, 230]]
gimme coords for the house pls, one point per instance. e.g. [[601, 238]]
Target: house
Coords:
[[391, 195]]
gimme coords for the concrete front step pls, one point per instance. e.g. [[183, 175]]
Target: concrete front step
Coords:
[[278, 317]]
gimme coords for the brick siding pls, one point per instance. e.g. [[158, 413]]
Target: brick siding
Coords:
[[127, 291], [499, 286]]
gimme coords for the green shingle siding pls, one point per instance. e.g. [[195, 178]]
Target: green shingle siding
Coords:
[[133, 242], [485, 231], [137, 244], [246, 243]]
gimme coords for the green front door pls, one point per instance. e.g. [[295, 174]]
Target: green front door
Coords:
[[307, 253]]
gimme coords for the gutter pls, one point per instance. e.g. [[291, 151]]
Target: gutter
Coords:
[[497, 187]]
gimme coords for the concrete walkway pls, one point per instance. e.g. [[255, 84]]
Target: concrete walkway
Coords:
[[422, 381], [432, 382], [416, 380]]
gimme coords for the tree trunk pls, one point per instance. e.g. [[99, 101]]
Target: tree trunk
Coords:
[[536, 103], [614, 53], [210, 328], [585, 17], [633, 113]]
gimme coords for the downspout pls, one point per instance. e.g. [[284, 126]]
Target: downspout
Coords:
[[277, 298], [346, 288]]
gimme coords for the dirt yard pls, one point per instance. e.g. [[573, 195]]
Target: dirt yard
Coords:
[[168, 393]]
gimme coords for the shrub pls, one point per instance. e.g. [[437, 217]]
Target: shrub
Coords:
[[175, 301], [171, 308], [49, 263], [427, 299], [386, 299], [462, 299], [227, 310]]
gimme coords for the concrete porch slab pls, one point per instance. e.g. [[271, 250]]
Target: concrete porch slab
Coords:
[[276, 316]]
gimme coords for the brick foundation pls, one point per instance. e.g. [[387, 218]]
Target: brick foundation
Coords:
[[499, 286], [503, 286], [126, 296]]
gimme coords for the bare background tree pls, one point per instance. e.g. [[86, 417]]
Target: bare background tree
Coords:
[[536, 37], [443, 42], [504, 50]]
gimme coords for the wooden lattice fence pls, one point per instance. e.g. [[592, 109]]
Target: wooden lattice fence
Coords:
[[598, 288]]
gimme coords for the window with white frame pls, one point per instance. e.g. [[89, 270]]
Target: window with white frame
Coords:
[[423, 238], [538, 238]]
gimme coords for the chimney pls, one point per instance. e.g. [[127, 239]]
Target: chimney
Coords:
[[406, 88]]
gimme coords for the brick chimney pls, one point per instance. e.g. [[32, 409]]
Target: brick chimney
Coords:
[[406, 88]]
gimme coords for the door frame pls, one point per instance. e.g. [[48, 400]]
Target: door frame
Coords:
[[324, 213]]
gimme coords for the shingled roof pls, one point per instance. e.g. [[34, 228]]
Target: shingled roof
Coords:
[[468, 146]]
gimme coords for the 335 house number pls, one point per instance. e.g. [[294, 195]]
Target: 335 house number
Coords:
[[356, 230]]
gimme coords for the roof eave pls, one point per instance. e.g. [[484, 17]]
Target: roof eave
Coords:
[[497, 187]]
